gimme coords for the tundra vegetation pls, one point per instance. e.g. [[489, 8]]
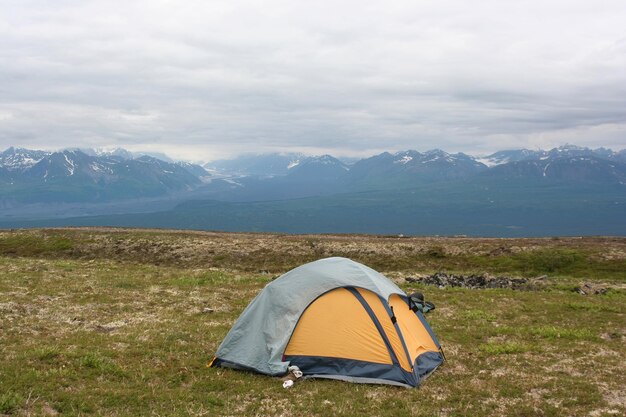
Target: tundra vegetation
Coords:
[[117, 322]]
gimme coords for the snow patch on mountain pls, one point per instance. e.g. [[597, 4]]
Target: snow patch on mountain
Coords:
[[69, 164], [491, 162], [404, 160], [233, 182], [545, 169]]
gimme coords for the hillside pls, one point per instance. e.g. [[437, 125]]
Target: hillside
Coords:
[[123, 322]]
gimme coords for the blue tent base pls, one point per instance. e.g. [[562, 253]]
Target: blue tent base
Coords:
[[353, 370], [426, 363], [360, 380], [367, 372]]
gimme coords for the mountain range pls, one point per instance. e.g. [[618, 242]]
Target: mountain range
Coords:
[[250, 191], [294, 176], [408, 167], [74, 175]]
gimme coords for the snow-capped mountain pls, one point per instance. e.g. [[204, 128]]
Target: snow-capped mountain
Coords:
[[72, 175], [60, 165], [460, 162], [412, 165], [565, 163], [580, 168], [323, 167], [119, 152], [19, 159], [404, 167], [516, 155]]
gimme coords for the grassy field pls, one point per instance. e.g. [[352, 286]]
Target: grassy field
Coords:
[[123, 322]]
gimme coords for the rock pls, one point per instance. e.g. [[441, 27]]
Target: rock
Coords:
[[207, 310], [109, 327], [442, 280], [103, 329], [587, 288]]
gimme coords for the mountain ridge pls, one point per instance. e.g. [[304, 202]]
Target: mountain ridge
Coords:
[[72, 175], [462, 188]]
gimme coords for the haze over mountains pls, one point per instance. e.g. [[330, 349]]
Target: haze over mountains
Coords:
[[518, 189]]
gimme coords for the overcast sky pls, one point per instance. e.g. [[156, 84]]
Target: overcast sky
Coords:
[[210, 79]]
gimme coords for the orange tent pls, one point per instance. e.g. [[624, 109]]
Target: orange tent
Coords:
[[333, 318]]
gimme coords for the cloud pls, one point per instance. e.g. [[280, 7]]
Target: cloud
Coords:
[[209, 79]]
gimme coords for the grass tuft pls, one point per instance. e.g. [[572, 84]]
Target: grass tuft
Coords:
[[209, 278], [478, 315], [10, 402], [101, 364], [214, 401], [47, 353], [499, 348], [592, 308], [553, 332]]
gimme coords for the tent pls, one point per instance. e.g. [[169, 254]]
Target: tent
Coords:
[[333, 318]]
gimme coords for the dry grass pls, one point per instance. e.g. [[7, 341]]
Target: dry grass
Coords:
[[118, 322]]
